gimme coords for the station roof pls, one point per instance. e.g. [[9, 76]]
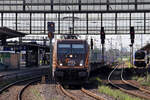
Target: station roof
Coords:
[[9, 33], [29, 44], [81, 17], [34, 45], [73, 5]]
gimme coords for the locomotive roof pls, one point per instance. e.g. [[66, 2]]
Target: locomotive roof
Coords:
[[140, 51], [71, 41], [146, 47]]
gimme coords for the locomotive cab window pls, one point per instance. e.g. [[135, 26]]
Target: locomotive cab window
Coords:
[[64, 48], [78, 48], [71, 48]]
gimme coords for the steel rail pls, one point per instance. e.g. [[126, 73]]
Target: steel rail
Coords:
[[14, 83], [66, 92], [26, 86], [129, 83], [91, 94], [122, 89], [87, 92]]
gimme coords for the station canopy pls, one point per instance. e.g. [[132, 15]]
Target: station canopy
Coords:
[[76, 16], [9, 33]]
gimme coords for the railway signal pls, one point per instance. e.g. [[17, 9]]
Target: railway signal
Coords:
[[132, 34], [51, 29], [102, 42], [50, 35], [91, 44], [51, 26], [102, 35]]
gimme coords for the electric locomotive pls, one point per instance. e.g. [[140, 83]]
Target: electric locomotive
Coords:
[[71, 61], [140, 58]]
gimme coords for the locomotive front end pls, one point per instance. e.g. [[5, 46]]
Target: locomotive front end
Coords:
[[72, 61]]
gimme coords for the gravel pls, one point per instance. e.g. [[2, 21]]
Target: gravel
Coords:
[[44, 92], [11, 93], [47, 91], [50, 92]]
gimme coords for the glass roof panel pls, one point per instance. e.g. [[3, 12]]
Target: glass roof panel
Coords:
[[74, 5]]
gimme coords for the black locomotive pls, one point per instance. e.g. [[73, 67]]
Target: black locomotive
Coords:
[[140, 58]]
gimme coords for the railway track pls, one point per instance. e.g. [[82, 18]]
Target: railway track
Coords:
[[90, 95], [127, 86], [134, 85], [25, 87], [16, 92]]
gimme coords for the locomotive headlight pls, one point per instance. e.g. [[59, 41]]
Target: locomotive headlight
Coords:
[[60, 64], [70, 56], [81, 63]]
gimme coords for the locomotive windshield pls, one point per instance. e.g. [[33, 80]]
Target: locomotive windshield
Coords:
[[140, 54], [71, 54], [64, 48], [78, 48], [71, 48]]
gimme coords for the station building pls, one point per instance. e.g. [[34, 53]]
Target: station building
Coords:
[[16, 55]]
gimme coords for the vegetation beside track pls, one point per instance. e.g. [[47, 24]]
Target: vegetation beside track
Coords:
[[143, 80], [117, 94], [36, 94], [127, 63]]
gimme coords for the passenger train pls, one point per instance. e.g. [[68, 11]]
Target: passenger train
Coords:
[[71, 61]]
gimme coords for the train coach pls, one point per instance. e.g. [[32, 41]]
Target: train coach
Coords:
[[71, 61]]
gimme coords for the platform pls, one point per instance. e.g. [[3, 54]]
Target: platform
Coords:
[[23, 70]]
